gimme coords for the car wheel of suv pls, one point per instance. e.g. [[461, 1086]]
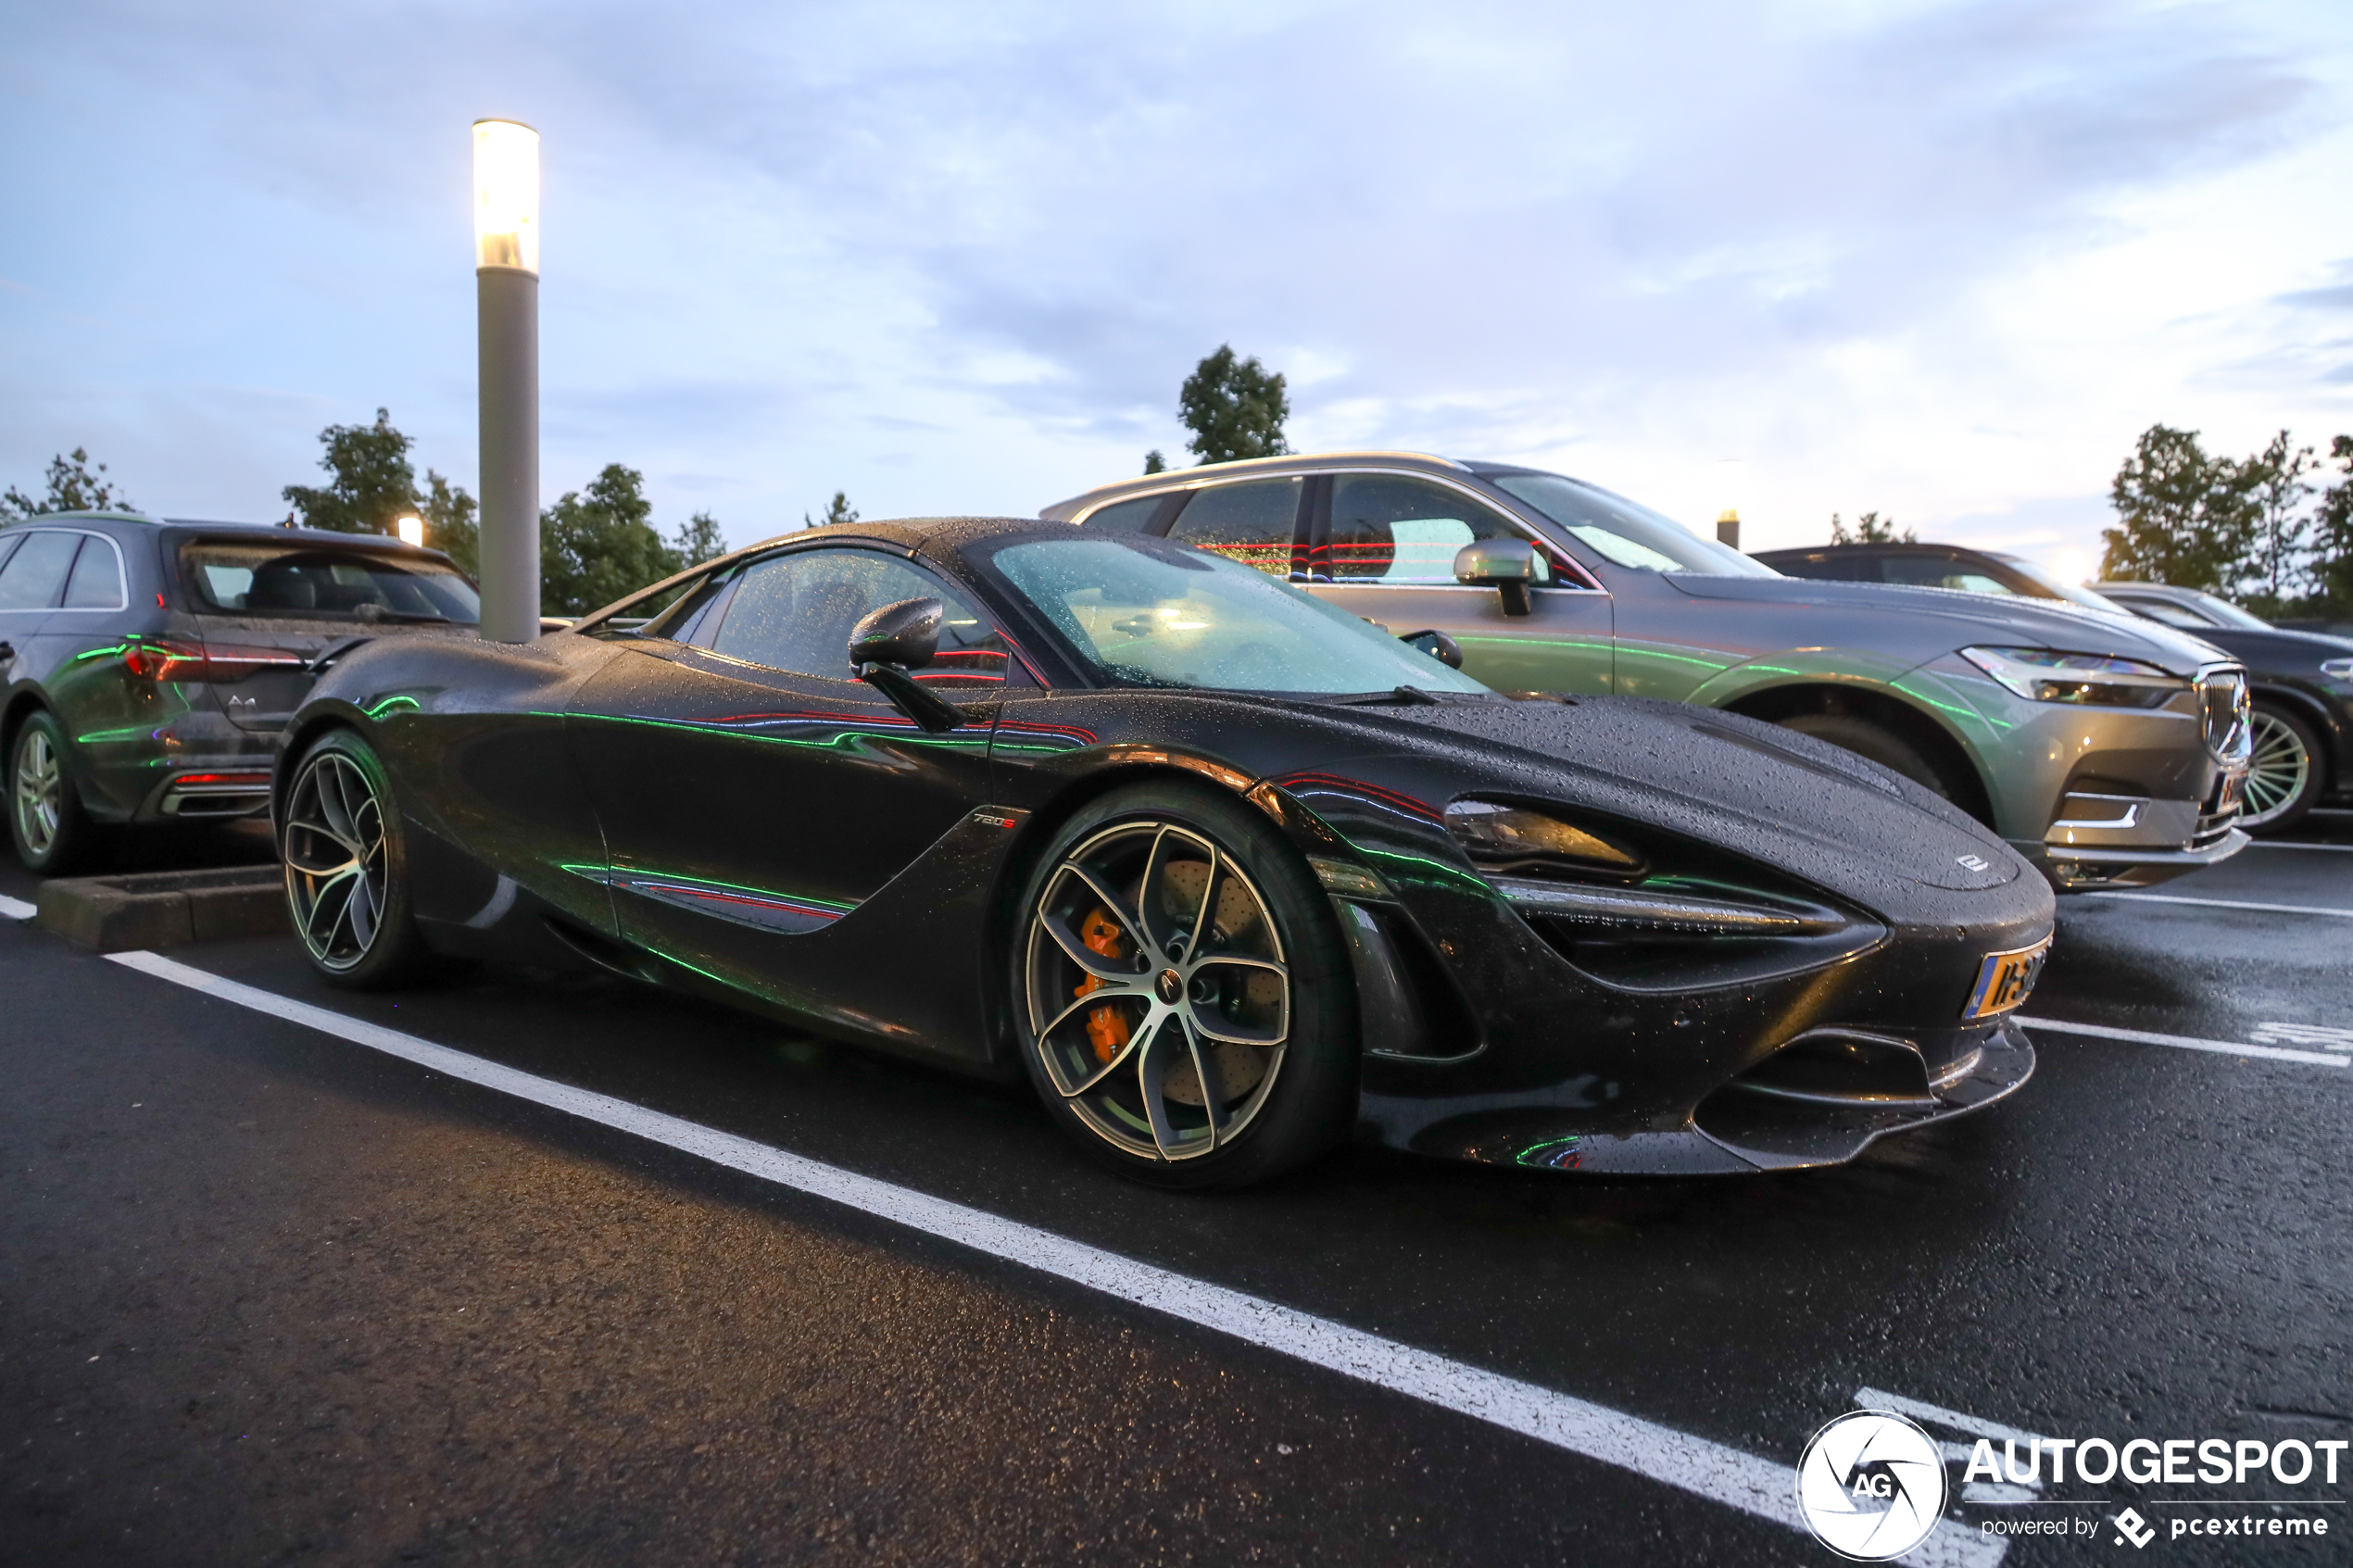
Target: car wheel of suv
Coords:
[[1182, 999], [1864, 738], [2284, 780], [51, 832], [347, 868]]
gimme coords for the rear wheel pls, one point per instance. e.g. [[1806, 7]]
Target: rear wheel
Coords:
[[50, 831], [1181, 995], [1885, 747], [347, 868], [2284, 780]]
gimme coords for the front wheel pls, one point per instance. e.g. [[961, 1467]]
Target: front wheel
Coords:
[[1182, 997], [347, 868], [2283, 778]]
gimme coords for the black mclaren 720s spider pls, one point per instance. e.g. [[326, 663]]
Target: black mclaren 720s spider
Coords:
[[1230, 875]]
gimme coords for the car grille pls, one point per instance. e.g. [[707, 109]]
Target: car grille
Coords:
[[2222, 697]]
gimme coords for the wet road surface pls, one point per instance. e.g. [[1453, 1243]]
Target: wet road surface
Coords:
[[266, 1294]]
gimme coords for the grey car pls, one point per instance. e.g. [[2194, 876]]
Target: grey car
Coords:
[[2109, 750], [149, 663]]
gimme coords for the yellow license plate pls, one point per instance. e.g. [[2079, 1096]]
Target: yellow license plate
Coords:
[[2004, 980]]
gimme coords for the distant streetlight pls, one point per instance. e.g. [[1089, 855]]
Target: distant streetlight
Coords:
[[410, 529], [507, 316]]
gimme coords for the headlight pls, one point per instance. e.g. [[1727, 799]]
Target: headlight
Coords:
[[2340, 668], [2089, 680], [1514, 839]]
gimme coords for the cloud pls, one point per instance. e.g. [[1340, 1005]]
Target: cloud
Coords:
[[953, 256]]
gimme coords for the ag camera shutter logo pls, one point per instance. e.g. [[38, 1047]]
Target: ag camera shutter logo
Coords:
[[1871, 1485]]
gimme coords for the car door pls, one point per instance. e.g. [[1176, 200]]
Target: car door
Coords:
[[1382, 545], [33, 564], [751, 789]]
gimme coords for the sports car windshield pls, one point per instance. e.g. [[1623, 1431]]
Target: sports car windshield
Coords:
[[1145, 613], [1624, 533]]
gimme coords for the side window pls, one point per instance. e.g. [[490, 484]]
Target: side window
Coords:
[[1937, 572], [1251, 522], [1127, 517], [35, 575], [96, 583], [1391, 527], [2167, 613], [794, 612]]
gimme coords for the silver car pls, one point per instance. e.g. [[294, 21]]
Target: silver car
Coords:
[[2109, 750]]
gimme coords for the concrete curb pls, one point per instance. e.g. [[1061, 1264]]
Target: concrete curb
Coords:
[[116, 914]]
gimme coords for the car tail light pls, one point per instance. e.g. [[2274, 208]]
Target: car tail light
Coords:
[[160, 658], [220, 781]]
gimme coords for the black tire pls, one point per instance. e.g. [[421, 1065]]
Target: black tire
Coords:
[[347, 867], [51, 832], [2287, 776], [1883, 746], [1272, 984]]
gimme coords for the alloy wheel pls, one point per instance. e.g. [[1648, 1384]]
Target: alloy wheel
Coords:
[[40, 792], [335, 864], [2280, 772], [1158, 990]]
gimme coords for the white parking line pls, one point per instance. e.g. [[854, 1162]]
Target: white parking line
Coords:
[[1764, 1487], [2220, 903], [17, 909], [1996, 1492], [2189, 1043]]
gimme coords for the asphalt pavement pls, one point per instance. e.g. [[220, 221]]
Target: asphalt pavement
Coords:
[[269, 1294]]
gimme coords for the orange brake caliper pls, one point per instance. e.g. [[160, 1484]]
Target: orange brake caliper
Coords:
[[1106, 1027]]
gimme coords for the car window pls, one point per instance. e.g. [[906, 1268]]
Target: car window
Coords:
[[1939, 572], [305, 582], [35, 575], [2167, 613], [1251, 522], [1127, 517], [1139, 613], [1623, 533], [1395, 529], [794, 612], [96, 582]]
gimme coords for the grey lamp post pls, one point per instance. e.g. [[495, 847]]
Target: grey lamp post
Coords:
[[506, 297]]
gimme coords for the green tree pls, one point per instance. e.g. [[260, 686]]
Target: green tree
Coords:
[[2275, 481], [451, 526], [599, 545], [1870, 529], [2185, 517], [2331, 556], [838, 511], [72, 488], [1154, 463], [373, 482], [697, 541], [1235, 408]]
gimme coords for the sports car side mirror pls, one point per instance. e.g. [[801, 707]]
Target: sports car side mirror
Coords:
[[906, 633], [1438, 645], [1506, 565], [897, 638]]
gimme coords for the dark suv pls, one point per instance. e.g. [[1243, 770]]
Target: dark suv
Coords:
[[149, 663]]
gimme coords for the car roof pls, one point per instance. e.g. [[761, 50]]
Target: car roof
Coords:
[[1294, 462], [2162, 590], [187, 527]]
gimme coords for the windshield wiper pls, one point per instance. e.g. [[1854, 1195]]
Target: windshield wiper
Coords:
[[1399, 696]]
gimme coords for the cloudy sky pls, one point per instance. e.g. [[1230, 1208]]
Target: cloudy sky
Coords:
[[1943, 260]]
